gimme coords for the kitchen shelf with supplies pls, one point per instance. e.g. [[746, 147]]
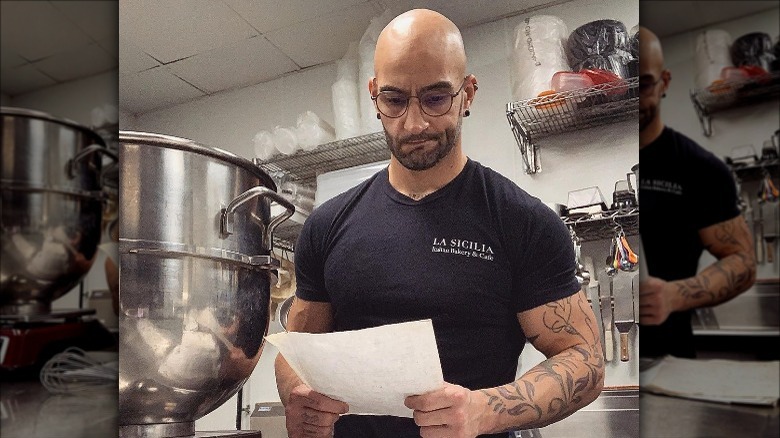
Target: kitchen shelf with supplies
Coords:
[[303, 167], [757, 171], [733, 94], [568, 111], [286, 234], [602, 225]]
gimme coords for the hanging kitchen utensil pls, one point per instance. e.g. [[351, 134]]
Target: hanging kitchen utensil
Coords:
[[605, 305], [611, 268], [767, 192], [622, 291], [621, 256], [582, 274]]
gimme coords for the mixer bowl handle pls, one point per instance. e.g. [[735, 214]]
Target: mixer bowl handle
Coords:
[[226, 217], [87, 151]]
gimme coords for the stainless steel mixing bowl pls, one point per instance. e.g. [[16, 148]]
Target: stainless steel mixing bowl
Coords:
[[196, 271], [51, 208]]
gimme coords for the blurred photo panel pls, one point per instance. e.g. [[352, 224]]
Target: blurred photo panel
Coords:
[[59, 187], [709, 112]]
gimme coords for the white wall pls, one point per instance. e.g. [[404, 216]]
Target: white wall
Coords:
[[740, 126], [597, 157], [127, 121], [75, 100]]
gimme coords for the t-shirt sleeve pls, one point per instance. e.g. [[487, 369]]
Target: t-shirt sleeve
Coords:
[[310, 261], [715, 199], [545, 269]]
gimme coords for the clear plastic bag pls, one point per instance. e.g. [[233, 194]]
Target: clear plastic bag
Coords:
[[711, 57], [753, 49], [597, 38], [313, 131], [537, 55]]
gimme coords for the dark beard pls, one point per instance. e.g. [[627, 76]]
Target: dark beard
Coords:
[[417, 160], [645, 117]]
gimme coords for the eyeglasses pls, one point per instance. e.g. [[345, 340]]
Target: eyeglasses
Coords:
[[434, 103], [646, 87]]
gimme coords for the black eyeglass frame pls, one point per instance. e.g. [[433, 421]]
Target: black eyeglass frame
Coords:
[[645, 88], [422, 108]]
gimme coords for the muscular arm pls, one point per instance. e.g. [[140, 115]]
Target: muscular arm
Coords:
[[734, 272], [565, 331], [308, 317]]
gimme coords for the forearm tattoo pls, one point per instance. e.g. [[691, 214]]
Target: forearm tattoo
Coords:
[[728, 276], [560, 385]]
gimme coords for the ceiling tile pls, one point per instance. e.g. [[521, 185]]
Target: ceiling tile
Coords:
[[78, 63], [256, 12], [465, 14], [111, 46], [132, 59], [22, 80], [462, 14], [44, 35], [9, 59], [332, 34], [244, 63], [98, 19], [666, 18], [176, 29], [153, 88]]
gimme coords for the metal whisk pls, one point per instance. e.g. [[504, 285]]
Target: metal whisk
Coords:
[[73, 371]]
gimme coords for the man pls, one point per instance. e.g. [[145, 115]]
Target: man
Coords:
[[689, 203], [436, 235]]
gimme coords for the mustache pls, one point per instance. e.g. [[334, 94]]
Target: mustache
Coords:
[[418, 137]]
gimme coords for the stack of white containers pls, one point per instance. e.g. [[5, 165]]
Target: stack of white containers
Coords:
[[538, 53], [712, 55], [366, 48], [346, 92], [309, 132]]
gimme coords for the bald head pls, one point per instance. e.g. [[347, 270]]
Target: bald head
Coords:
[[651, 55], [420, 39]]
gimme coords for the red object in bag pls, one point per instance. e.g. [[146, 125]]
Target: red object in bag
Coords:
[[604, 76]]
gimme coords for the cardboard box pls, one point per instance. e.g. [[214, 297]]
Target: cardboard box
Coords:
[[269, 419]]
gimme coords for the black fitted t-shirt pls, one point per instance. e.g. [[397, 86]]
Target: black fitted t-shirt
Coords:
[[470, 256], [683, 188]]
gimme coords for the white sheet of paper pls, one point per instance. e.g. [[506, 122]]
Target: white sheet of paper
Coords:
[[372, 370], [717, 380]]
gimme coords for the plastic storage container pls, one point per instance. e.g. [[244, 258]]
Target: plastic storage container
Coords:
[[569, 80]]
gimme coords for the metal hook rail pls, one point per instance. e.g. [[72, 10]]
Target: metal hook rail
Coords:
[[602, 225]]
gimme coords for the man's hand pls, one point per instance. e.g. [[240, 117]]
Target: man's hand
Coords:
[[311, 414], [447, 412], [656, 300]]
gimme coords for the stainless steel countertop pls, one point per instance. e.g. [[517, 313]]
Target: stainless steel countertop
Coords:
[[28, 410], [672, 417], [755, 312], [614, 414]]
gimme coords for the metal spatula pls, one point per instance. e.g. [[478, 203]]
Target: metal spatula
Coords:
[[622, 291]]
